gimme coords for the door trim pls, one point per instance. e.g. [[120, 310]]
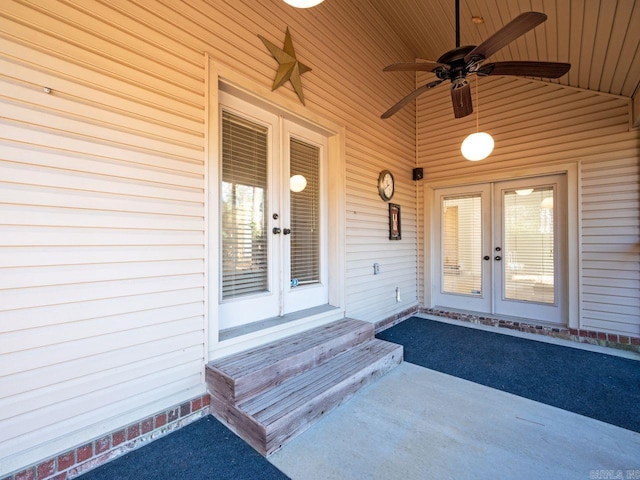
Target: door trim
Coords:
[[574, 243], [222, 77]]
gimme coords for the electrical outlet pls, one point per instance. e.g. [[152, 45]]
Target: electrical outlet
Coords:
[[376, 268], [397, 294]]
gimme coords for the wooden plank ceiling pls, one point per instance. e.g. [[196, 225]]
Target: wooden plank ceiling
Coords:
[[600, 38]]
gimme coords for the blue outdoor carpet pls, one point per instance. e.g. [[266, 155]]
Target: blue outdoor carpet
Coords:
[[202, 450], [600, 386]]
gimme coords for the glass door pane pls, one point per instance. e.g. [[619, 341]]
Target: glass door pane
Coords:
[[461, 256], [529, 244], [305, 212], [243, 207]]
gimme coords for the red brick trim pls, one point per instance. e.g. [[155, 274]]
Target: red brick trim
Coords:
[[395, 319], [69, 464], [603, 339]]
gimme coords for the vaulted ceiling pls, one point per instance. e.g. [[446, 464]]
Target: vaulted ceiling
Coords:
[[600, 38]]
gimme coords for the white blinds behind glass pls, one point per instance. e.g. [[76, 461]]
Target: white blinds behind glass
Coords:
[[243, 203], [305, 214], [529, 266], [462, 245]]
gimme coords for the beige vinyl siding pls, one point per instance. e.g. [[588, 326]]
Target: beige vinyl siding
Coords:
[[535, 123], [610, 226], [102, 225], [102, 194]]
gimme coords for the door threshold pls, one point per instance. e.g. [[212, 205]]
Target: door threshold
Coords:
[[251, 335]]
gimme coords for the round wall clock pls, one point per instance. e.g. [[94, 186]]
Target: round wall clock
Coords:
[[386, 185]]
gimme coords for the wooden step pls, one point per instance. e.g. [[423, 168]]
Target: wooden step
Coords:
[[274, 416], [240, 376]]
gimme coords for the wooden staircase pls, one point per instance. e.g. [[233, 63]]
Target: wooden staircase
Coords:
[[276, 391]]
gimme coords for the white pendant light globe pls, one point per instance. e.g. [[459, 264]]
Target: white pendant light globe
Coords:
[[477, 146], [297, 183], [303, 3]]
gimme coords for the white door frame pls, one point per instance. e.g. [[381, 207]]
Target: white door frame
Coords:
[[573, 232], [220, 76]]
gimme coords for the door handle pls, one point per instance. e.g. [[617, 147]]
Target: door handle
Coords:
[[498, 258], [276, 230], [286, 231], [487, 257]]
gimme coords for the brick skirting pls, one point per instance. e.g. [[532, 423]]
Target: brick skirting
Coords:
[[603, 339], [85, 457], [395, 319]]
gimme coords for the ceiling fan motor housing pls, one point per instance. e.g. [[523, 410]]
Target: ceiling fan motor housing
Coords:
[[456, 55]]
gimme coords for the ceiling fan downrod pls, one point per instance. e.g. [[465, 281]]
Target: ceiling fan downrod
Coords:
[[457, 23]]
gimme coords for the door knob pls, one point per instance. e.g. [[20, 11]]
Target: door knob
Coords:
[[498, 258], [487, 257], [286, 231], [276, 230]]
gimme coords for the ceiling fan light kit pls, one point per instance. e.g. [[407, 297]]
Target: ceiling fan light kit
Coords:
[[477, 146], [303, 3]]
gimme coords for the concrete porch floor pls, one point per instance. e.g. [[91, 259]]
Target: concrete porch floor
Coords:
[[416, 423]]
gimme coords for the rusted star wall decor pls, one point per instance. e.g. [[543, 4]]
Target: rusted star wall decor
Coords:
[[289, 67]]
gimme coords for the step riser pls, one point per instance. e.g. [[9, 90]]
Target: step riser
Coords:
[[241, 388], [306, 415], [241, 424]]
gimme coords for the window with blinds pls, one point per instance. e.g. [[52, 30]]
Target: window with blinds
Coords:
[[529, 266], [462, 245], [305, 214], [244, 206]]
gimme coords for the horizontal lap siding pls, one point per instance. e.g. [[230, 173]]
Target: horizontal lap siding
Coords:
[[102, 188], [535, 123], [101, 221], [611, 236]]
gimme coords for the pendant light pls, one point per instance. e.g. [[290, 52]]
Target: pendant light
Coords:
[[479, 145], [303, 3]]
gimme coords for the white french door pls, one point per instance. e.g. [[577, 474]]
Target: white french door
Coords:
[[501, 248], [272, 215]]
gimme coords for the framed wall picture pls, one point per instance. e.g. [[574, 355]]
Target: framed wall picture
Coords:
[[395, 232]]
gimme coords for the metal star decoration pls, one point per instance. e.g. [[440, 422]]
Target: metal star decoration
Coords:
[[289, 67]]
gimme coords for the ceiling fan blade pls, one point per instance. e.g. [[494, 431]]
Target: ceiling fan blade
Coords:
[[512, 30], [413, 67], [526, 69], [461, 99], [415, 94]]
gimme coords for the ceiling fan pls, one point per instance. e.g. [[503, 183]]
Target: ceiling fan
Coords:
[[455, 65]]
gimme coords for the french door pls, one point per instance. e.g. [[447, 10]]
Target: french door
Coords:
[[272, 215], [501, 248]]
